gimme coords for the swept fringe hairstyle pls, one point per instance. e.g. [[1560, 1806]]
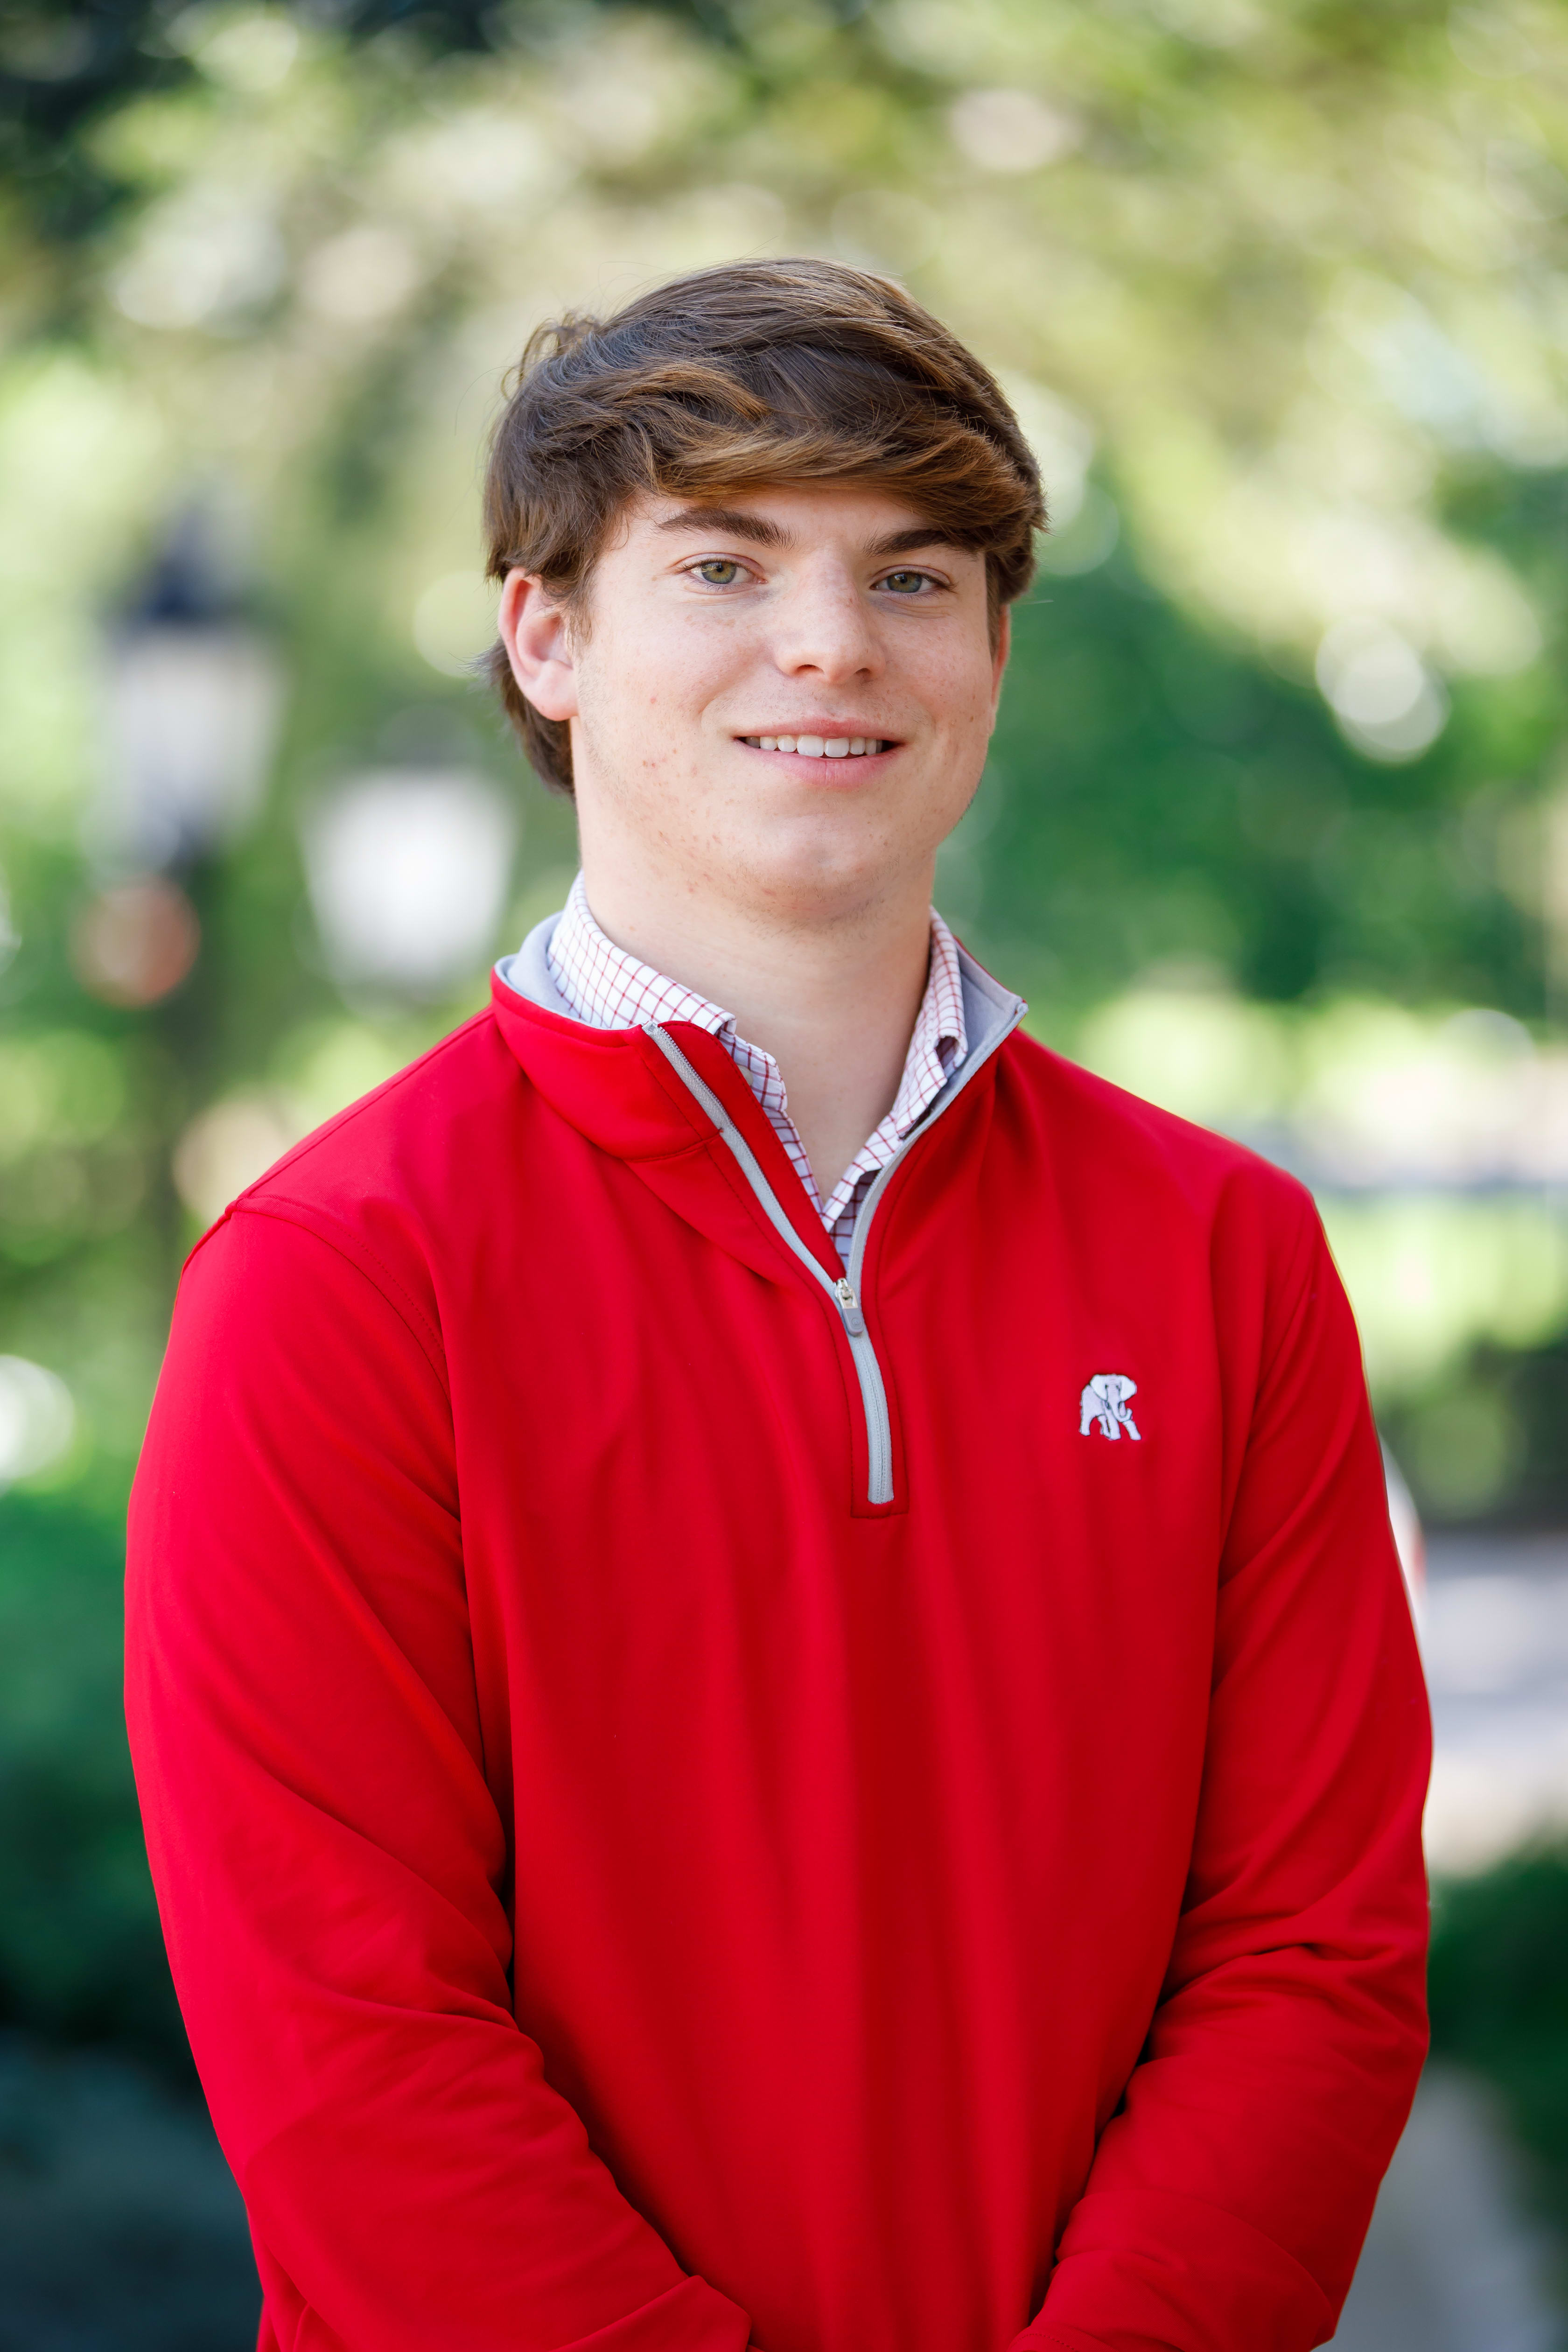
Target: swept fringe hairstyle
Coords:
[[755, 374]]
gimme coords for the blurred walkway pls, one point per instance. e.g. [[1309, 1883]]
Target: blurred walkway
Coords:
[[1495, 1640], [1449, 2265], [120, 2227]]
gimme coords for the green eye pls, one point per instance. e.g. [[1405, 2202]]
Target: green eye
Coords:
[[718, 572], [906, 584]]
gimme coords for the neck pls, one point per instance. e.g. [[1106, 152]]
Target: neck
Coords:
[[832, 998]]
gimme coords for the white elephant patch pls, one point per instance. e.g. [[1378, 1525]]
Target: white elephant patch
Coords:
[[1103, 1404]]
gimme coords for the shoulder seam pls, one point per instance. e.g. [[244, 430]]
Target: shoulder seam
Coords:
[[318, 1136], [382, 1281], [1150, 1118]]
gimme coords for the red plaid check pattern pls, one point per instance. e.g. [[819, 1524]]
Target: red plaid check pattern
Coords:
[[604, 986]]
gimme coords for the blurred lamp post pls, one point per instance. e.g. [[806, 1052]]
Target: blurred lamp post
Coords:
[[408, 870], [192, 698], [191, 695]]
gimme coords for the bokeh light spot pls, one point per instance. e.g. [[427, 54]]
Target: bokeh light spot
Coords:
[[136, 942]]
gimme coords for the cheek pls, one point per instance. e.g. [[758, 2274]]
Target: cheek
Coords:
[[959, 691], [623, 697], [655, 678]]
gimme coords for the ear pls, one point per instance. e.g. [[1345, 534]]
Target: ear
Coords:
[[534, 630], [999, 658]]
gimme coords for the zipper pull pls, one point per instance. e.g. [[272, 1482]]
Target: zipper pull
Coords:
[[849, 1306]]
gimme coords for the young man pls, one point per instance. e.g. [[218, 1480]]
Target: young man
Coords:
[[770, 1685]]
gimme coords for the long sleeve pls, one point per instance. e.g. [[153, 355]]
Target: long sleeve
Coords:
[[329, 1857], [1231, 2191]]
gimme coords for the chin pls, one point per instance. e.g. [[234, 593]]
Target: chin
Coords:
[[827, 873]]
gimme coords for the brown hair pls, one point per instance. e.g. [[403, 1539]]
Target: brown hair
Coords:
[[757, 373]]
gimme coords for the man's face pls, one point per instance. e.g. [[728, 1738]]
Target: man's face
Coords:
[[831, 617]]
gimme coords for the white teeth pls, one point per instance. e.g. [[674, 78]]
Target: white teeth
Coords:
[[819, 747]]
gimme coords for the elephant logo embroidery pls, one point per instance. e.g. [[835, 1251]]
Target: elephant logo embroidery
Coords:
[[1104, 1403]]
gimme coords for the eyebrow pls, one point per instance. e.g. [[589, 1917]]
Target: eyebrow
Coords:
[[907, 542], [734, 521], [739, 522]]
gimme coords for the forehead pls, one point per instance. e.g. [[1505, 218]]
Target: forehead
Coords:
[[788, 514]]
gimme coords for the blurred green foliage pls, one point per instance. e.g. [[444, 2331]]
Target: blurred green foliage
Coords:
[[1159, 791], [67, 68], [81, 1952], [1499, 1998], [1279, 293]]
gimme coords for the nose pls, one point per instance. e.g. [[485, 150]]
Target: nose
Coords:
[[824, 627]]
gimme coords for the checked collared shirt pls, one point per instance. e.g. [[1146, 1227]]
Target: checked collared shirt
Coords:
[[612, 989]]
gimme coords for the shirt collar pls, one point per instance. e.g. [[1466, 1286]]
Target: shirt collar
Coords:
[[612, 989]]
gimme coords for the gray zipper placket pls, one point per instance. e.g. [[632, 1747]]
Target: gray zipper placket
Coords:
[[845, 1292]]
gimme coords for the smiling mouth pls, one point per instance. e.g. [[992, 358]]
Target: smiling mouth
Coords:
[[822, 747]]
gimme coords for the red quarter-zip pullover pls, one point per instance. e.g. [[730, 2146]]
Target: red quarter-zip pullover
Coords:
[[699, 1799]]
